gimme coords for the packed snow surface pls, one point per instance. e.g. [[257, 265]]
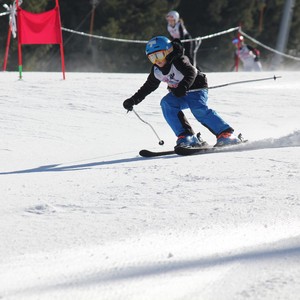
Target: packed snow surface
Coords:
[[82, 216]]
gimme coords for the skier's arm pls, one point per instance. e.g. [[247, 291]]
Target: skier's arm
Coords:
[[148, 87], [181, 33], [254, 51], [251, 48]]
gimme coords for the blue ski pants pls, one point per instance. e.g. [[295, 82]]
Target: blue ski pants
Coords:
[[196, 101]]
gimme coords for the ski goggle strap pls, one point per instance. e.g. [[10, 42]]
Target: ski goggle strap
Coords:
[[159, 55]]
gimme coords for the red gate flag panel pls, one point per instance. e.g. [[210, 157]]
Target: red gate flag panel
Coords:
[[39, 28], [42, 28]]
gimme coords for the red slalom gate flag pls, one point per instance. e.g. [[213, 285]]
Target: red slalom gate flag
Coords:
[[42, 28], [39, 28]]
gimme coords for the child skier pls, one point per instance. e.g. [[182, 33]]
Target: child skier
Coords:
[[247, 54], [187, 89], [177, 30]]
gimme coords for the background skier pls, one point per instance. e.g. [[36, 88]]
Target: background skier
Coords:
[[247, 54], [177, 30]]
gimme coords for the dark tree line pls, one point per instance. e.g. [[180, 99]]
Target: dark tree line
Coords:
[[143, 19]]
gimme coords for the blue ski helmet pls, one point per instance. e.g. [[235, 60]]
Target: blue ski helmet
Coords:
[[237, 40], [158, 43]]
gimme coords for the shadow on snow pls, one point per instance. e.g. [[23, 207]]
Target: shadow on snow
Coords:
[[60, 168], [291, 140]]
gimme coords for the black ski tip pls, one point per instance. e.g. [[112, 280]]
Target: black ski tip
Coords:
[[145, 153], [148, 153]]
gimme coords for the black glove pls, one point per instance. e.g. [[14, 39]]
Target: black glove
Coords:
[[180, 91], [256, 58], [128, 104]]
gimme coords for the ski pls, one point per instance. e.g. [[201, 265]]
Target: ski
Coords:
[[207, 149], [194, 150], [184, 151], [148, 153], [178, 151]]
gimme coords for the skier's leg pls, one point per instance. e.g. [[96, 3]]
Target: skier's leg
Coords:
[[257, 66], [172, 112], [209, 118]]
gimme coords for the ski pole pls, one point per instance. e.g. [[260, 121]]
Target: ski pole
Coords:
[[244, 81], [161, 142]]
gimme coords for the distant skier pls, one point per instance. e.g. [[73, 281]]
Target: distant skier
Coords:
[[247, 54], [177, 30], [187, 89]]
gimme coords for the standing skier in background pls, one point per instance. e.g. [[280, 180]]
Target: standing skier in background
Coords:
[[187, 89], [177, 30], [247, 54]]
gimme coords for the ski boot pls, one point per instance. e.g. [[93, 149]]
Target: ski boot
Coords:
[[227, 139], [190, 141]]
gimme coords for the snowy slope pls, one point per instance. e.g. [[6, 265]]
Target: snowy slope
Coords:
[[82, 216]]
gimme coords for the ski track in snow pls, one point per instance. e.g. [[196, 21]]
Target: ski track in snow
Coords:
[[82, 216]]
